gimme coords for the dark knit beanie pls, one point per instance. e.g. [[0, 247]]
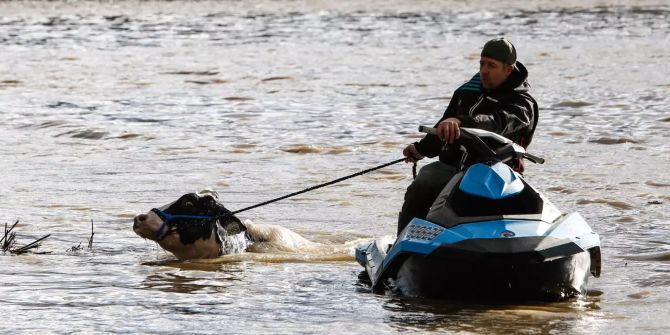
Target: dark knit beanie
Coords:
[[500, 49]]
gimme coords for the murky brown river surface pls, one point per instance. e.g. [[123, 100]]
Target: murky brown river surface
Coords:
[[108, 109]]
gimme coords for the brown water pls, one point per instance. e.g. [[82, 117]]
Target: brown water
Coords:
[[108, 109]]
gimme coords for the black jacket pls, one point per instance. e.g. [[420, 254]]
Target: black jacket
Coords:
[[509, 110]]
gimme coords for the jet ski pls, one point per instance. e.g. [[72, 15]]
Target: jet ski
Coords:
[[489, 234]]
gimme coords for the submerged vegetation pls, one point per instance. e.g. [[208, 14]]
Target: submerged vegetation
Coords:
[[8, 242]]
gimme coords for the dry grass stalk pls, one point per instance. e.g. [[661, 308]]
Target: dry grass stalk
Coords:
[[78, 247], [90, 239], [8, 241], [9, 238]]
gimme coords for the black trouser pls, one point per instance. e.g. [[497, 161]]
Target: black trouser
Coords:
[[421, 194]]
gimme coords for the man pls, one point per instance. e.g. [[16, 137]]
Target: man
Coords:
[[495, 99]]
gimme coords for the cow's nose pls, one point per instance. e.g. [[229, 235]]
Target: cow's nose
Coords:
[[139, 219]]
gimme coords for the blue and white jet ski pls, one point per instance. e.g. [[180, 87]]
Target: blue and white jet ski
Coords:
[[488, 234]]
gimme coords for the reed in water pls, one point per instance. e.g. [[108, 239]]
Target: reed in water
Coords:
[[8, 241]]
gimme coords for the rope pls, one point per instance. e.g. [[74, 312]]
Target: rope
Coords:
[[414, 171], [320, 185]]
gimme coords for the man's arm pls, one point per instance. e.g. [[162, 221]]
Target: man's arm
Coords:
[[431, 145], [509, 119]]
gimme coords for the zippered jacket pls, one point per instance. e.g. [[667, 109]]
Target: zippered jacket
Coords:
[[509, 110]]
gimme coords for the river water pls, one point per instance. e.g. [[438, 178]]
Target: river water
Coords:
[[110, 108]]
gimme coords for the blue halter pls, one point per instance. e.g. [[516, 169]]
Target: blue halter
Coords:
[[168, 218]]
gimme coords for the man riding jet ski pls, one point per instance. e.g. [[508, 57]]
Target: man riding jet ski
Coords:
[[488, 234], [497, 99]]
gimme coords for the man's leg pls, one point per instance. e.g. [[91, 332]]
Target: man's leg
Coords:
[[421, 194]]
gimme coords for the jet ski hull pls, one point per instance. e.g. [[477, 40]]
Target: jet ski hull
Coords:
[[437, 277], [511, 259]]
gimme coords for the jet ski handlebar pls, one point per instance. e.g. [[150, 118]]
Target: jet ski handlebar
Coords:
[[483, 140], [533, 158], [428, 130]]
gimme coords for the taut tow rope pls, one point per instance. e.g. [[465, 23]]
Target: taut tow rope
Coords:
[[320, 185]]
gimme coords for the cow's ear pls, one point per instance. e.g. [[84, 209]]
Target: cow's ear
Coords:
[[232, 225]]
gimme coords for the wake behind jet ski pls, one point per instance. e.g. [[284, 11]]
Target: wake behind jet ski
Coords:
[[488, 234]]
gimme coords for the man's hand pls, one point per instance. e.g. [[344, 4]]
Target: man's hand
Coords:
[[411, 154], [448, 130]]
